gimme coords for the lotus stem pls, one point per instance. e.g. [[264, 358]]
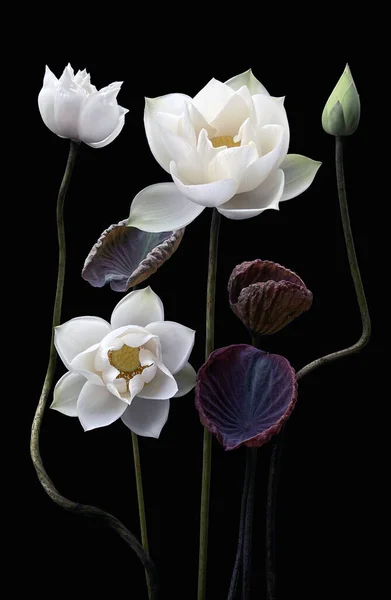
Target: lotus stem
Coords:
[[275, 463], [207, 446], [47, 484], [140, 501]]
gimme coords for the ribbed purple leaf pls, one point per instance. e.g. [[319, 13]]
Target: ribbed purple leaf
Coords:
[[245, 395], [125, 256]]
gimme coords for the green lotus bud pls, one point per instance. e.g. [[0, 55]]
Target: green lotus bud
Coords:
[[341, 114]]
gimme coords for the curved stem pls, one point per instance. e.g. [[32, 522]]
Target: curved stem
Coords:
[[354, 270], [207, 447], [239, 550], [140, 500], [359, 345], [248, 523], [47, 484]]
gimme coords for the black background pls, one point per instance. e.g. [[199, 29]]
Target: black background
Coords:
[[327, 490]]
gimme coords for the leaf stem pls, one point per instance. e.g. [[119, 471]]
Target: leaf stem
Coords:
[[248, 523]]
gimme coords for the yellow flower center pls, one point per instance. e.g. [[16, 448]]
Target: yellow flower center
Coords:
[[127, 361], [224, 140]]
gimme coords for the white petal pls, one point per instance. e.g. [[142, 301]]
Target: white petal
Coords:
[[66, 393], [186, 380], [172, 104], [115, 133], [136, 384], [162, 387], [46, 100], [299, 174], [251, 204], [161, 207], [272, 140], [84, 364], [139, 307], [230, 118], [148, 360], [248, 79], [146, 417], [199, 122], [77, 335], [211, 100], [177, 147], [100, 115], [205, 194], [271, 111], [68, 101], [135, 340], [177, 342], [233, 163], [96, 407]]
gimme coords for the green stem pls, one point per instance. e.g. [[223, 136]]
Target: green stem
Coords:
[[354, 270], [207, 447], [74, 507], [359, 345], [140, 500]]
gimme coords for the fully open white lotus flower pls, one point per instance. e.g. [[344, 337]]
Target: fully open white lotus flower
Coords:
[[128, 368], [71, 107], [225, 148]]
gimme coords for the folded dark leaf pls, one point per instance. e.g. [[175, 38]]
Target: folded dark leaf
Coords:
[[126, 256], [266, 296]]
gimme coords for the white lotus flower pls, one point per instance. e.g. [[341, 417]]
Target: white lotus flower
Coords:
[[225, 148], [71, 107], [128, 368]]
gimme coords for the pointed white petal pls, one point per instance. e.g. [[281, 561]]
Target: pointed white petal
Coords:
[[251, 204], [211, 100], [177, 342], [299, 172], [139, 307], [248, 79], [77, 335], [146, 417], [68, 101], [271, 111], [259, 170], [172, 104], [97, 407], [186, 380], [230, 118], [46, 100], [161, 207], [162, 387], [66, 393], [232, 163], [205, 194]]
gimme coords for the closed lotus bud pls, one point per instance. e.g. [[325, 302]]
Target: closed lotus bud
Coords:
[[341, 115], [266, 296]]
